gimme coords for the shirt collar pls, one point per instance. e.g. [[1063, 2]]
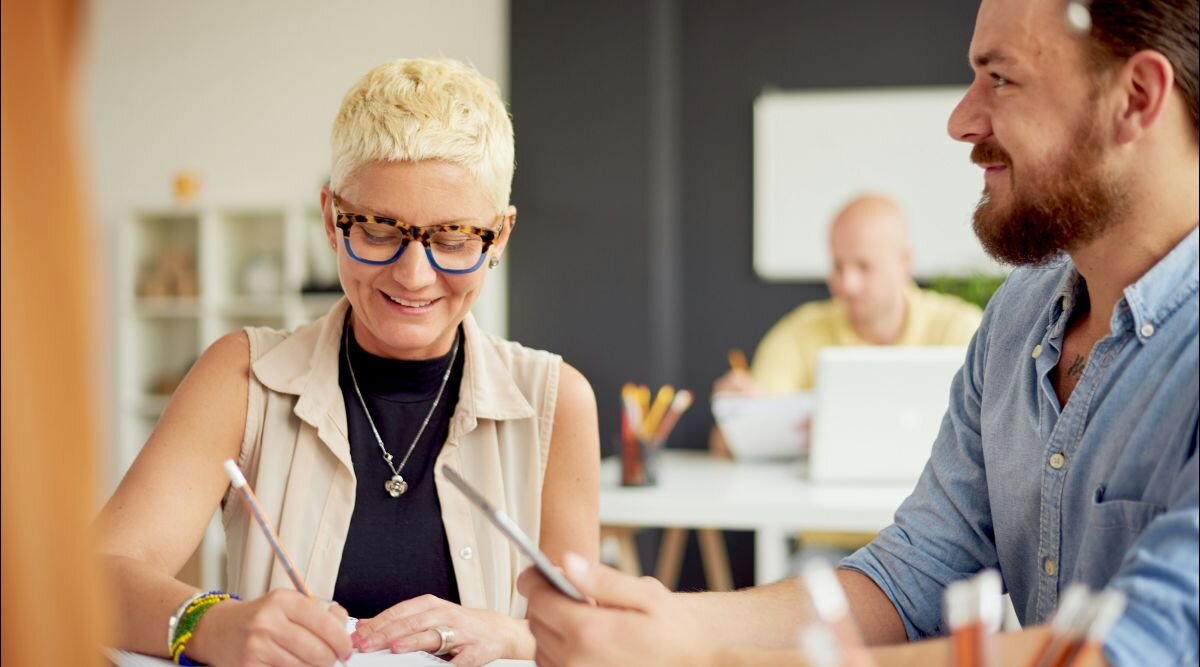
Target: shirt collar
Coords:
[[1066, 295], [1155, 296], [493, 392]]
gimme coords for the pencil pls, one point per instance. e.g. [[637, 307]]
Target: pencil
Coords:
[[238, 480], [632, 406], [737, 359], [973, 613], [683, 401], [1066, 628], [642, 394], [1109, 607], [832, 609], [662, 402]]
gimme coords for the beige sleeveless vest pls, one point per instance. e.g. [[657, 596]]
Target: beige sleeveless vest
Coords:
[[296, 455]]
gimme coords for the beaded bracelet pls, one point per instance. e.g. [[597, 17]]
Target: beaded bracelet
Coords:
[[183, 622]]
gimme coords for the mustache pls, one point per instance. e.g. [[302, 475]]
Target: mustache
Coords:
[[988, 153]]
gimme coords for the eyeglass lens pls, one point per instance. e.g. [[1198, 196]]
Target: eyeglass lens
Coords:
[[452, 250]]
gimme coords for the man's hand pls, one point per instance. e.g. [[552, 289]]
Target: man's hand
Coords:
[[736, 382], [635, 621]]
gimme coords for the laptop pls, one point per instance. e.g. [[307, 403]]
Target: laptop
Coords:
[[878, 410]]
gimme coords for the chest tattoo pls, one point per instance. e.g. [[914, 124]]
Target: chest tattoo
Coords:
[[1077, 367]]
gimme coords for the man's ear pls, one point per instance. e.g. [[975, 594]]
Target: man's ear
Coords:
[[327, 217], [1145, 82]]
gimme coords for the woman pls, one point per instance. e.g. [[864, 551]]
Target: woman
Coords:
[[341, 425]]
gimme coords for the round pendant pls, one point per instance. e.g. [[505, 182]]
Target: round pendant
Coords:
[[396, 486]]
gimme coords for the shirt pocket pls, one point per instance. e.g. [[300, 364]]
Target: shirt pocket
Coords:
[[1129, 516], [1112, 527]]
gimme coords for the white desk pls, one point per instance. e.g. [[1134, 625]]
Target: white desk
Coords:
[[696, 490]]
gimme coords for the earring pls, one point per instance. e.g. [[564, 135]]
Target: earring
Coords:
[[493, 262]]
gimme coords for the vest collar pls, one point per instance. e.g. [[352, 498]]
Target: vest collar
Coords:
[[305, 364]]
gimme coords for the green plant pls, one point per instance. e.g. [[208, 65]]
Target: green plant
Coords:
[[975, 288]]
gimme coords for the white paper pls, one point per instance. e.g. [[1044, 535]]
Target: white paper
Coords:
[[375, 659], [131, 659], [764, 427], [387, 659]]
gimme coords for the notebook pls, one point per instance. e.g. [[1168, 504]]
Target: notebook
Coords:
[[878, 410], [758, 428]]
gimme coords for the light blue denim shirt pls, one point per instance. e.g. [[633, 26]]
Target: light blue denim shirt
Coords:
[[1102, 491]]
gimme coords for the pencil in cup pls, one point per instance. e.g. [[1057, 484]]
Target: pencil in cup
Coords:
[[662, 403], [238, 481], [679, 405], [645, 427], [632, 468]]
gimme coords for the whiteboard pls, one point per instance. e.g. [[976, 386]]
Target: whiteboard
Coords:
[[814, 150]]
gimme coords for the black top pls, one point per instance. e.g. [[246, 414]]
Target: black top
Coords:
[[396, 548]]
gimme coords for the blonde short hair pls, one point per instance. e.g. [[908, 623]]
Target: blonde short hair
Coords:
[[426, 109]]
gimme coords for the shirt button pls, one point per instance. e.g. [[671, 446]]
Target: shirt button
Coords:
[[1147, 330], [1037, 351], [465, 553], [1050, 567], [1057, 460], [1066, 303]]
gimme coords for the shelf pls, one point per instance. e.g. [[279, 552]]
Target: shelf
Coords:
[[188, 276], [167, 307], [253, 307]]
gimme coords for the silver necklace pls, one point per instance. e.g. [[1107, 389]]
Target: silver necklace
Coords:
[[396, 486]]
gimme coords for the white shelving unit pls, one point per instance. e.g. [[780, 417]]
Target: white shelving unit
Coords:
[[189, 275]]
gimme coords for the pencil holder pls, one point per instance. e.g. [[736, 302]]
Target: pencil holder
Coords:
[[639, 463]]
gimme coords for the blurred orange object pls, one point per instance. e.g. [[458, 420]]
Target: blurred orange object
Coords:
[[185, 185], [49, 303]]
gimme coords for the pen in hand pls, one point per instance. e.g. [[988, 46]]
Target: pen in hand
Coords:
[[238, 481], [737, 359]]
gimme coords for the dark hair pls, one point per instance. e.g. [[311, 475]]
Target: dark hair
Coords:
[[1121, 28]]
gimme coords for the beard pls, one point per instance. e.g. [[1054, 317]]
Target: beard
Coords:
[[1055, 208]]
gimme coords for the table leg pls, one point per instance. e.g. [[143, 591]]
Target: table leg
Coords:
[[627, 555], [716, 559], [670, 556], [770, 555]]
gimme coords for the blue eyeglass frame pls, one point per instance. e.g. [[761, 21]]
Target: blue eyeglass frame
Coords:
[[344, 220]]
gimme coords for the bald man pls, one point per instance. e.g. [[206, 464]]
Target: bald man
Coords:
[[875, 302]]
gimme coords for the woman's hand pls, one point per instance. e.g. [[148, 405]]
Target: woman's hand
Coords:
[[479, 635], [282, 627]]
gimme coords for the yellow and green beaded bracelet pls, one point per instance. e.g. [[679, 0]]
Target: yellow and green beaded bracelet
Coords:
[[183, 623]]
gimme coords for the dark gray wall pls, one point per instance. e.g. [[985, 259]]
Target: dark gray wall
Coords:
[[633, 119]]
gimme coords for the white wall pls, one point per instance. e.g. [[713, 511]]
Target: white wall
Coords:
[[243, 93], [815, 149]]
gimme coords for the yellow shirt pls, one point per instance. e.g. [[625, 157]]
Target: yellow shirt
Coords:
[[787, 355]]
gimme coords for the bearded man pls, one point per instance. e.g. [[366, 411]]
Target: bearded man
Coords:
[[1068, 453]]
